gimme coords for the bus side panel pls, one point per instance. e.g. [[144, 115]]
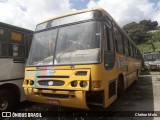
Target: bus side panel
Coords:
[[12, 73], [10, 70]]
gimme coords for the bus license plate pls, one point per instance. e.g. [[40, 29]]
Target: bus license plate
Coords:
[[153, 67], [55, 102]]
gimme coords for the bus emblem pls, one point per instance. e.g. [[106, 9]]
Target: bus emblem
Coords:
[[52, 71], [50, 83]]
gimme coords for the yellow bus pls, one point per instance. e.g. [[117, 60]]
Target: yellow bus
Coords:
[[79, 60]]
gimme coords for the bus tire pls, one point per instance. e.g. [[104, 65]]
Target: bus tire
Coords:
[[120, 85], [137, 75], [6, 100]]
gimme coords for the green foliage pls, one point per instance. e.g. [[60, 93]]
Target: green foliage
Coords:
[[146, 47], [154, 40], [138, 31], [155, 37], [149, 25], [145, 72]]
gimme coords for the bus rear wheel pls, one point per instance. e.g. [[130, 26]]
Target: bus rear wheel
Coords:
[[6, 101]]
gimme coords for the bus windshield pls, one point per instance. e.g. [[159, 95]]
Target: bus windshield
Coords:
[[72, 44]]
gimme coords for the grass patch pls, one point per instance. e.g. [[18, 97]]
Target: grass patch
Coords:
[[145, 72], [158, 79]]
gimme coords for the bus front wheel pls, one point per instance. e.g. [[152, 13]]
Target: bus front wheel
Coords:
[[6, 100], [120, 86]]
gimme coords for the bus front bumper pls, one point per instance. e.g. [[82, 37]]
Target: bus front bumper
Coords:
[[74, 99]]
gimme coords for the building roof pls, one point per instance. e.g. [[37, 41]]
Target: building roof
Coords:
[[14, 27]]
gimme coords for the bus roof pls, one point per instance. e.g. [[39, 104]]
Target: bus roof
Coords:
[[87, 10], [72, 13]]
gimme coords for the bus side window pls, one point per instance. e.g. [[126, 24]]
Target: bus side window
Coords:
[[133, 51], [17, 50], [129, 49], [118, 41], [136, 53], [14, 50], [2, 31], [126, 47], [3, 49], [109, 46], [16, 36], [3, 43]]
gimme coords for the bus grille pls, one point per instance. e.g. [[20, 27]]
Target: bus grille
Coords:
[[51, 82]]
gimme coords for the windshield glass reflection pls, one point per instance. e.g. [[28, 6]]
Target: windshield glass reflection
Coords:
[[74, 44]]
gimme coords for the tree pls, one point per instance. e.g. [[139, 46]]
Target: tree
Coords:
[[154, 25], [149, 25], [137, 32], [155, 38]]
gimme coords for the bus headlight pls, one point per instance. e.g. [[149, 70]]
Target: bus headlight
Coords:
[[31, 82], [74, 83], [83, 83]]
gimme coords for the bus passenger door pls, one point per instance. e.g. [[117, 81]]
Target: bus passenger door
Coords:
[[109, 54], [109, 63]]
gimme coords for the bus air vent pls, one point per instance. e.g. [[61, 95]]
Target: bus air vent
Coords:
[[53, 76], [112, 89], [81, 73]]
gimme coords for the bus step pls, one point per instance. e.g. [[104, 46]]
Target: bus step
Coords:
[[96, 104]]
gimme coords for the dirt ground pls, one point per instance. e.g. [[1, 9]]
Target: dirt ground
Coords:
[[143, 95]]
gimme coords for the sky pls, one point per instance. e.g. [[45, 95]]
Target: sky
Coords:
[[28, 13]]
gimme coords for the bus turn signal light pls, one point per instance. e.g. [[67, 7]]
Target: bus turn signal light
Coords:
[[97, 84], [26, 82]]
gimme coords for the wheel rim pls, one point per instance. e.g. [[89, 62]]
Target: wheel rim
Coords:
[[3, 104]]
